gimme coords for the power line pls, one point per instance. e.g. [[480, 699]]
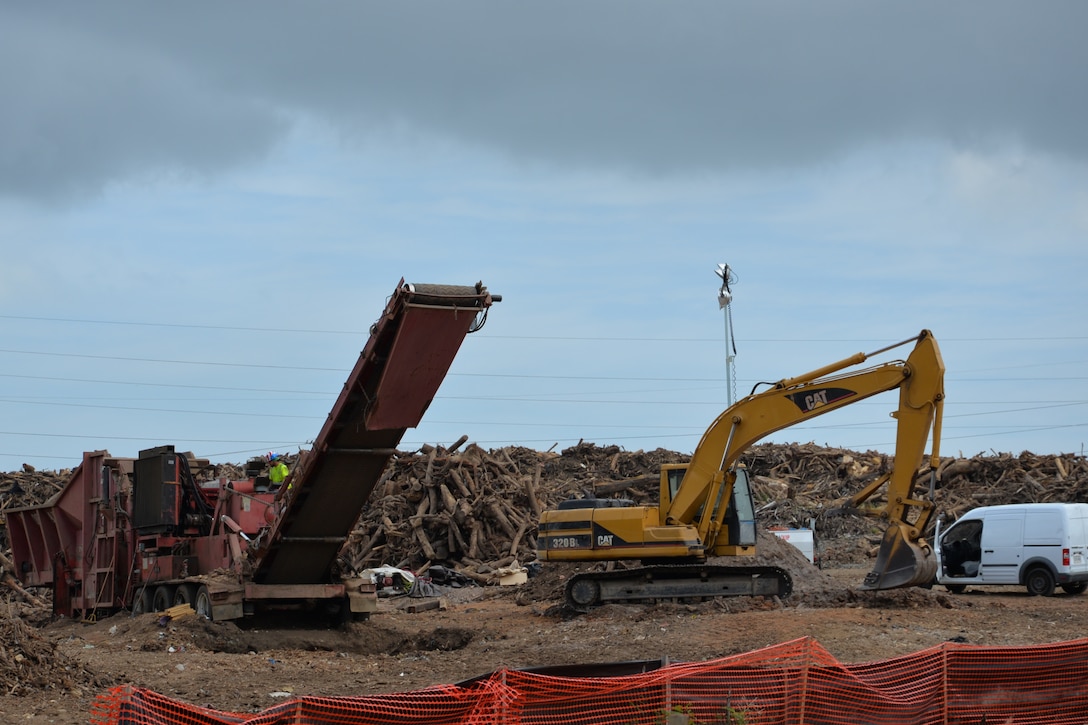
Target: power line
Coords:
[[510, 376], [121, 438], [171, 362], [163, 385], [544, 338], [517, 399], [175, 325], [279, 414], [539, 394], [690, 430]]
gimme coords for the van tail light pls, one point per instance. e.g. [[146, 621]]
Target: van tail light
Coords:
[[1065, 557]]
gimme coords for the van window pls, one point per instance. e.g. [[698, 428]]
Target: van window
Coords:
[[1043, 529], [1001, 532]]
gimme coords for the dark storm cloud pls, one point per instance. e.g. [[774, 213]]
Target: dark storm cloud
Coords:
[[84, 106], [97, 92]]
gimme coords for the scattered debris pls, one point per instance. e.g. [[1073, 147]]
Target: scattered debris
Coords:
[[29, 662], [176, 612]]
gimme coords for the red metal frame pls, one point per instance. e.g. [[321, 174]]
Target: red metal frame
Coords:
[[121, 525]]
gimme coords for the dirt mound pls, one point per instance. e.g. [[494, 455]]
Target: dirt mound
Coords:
[[160, 633]]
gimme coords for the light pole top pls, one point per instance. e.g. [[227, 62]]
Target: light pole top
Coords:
[[725, 295]]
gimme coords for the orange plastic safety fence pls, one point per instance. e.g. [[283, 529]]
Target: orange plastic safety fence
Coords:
[[788, 684]]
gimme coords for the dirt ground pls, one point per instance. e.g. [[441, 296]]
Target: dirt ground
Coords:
[[478, 630]]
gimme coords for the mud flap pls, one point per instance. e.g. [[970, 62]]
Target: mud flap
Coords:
[[901, 563]]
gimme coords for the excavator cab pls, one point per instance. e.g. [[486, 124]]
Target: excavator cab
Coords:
[[738, 534], [740, 517]]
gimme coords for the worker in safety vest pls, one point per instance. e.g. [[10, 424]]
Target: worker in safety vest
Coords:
[[277, 471]]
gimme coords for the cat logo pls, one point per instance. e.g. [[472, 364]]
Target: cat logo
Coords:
[[816, 400], [811, 400], [604, 539]]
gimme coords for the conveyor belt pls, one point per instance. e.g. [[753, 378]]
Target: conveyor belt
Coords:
[[397, 375]]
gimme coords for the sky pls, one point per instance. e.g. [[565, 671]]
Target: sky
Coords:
[[204, 206]]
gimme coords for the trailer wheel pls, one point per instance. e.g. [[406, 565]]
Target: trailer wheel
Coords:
[[339, 612], [141, 603], [184, 594], [203, 603], [162, 598], [1075, 587]]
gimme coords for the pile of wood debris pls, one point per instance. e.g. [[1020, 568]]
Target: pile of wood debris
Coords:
[[475, 511], [29, 661]]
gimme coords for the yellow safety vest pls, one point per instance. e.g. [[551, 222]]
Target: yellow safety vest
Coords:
[[278, 474]]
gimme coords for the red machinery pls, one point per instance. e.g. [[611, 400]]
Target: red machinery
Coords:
[[151, 532]]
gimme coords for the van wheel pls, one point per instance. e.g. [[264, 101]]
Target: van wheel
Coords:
[[1075, 587], [956, 588], [1040, 582]]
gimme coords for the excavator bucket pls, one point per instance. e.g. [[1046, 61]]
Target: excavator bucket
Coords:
[[901, 562]]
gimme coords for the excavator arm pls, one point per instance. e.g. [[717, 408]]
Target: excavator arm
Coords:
[[904, 558]]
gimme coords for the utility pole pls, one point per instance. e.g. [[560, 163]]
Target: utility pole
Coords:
[[725, 297]]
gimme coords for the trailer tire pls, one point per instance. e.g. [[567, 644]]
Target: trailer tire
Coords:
[[1075, 587], [141, 603], [163, 597], [340, 615], [202, 603], [185, 594]]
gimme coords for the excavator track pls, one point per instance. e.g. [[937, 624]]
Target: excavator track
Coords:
[[680, 582]]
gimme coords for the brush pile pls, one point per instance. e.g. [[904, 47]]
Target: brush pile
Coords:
[[475, 511]]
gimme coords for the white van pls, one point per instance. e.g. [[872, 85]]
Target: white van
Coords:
[[1037, 545]]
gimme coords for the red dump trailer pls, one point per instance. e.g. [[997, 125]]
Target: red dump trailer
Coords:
[[158, 530]]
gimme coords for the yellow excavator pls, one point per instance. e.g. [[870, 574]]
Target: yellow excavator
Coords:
[[706, 509]]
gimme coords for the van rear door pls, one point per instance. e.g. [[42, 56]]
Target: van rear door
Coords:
[[1002, 549], [1077, 539]]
